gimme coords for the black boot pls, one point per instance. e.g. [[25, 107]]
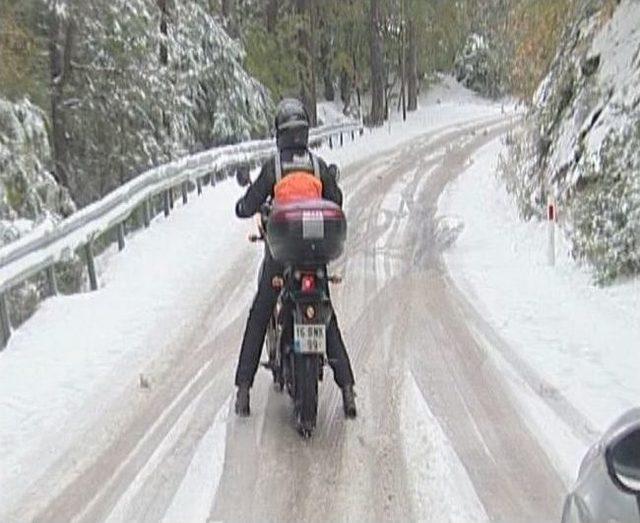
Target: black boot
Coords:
[[242, 401], [349, 401]]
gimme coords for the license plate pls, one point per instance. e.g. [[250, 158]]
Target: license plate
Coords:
[[310, 339]]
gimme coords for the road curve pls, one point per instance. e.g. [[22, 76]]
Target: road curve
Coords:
[[402, 321]]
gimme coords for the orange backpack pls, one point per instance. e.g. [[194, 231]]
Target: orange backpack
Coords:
[[296, 181]]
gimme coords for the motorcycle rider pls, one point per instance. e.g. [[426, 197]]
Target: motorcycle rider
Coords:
[[292, 137]]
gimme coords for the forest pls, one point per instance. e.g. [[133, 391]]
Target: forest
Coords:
[[94, 92], [127, 84]]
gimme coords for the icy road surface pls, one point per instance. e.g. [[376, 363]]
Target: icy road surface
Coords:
[[438, 437]]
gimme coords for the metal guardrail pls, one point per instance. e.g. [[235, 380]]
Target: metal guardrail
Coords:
[[41, 249]]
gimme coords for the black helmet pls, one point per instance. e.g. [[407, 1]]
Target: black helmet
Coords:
[[292, 125]]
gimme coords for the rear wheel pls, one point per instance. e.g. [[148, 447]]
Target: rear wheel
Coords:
[[306, 393]]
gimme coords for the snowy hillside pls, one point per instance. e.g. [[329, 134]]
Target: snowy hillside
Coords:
[[582, 141]]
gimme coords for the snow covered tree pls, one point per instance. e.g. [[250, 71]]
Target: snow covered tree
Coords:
[[477, 67], [223, 102], [30, 197], [139, 82]]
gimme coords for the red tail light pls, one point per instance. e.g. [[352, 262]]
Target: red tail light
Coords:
[[308, 283]]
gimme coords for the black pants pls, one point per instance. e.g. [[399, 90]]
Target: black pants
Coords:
[[259, 315]]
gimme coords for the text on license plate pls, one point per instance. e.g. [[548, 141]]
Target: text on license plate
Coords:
[[310, 339]]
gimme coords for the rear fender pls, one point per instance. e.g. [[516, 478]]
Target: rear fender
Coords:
[[312, 312]]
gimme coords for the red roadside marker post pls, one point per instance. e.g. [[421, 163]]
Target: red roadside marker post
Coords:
[[552, 218]]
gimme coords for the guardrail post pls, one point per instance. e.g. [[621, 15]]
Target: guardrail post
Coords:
[[185, 195], [341, 139], [91, 266], [5, 324], [171, 198], [353, 136], [146, 214], [51, 281], [199, 185], [330, 142], [167, 203], [120, 233]]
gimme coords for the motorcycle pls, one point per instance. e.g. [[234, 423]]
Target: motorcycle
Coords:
[[304, 237]]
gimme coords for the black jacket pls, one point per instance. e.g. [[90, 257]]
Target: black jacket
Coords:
[[262, 188]]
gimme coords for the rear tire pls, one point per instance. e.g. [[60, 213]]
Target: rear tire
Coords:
[[307, 368]]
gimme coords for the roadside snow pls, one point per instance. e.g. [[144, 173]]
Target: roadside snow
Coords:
[[197, 492], [580, 339], [441, 488], [62, 368], [446, 103]]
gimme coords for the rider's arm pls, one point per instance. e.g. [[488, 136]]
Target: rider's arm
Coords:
[[330, 189], [257, 193]]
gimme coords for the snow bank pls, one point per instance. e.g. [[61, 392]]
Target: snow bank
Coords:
[[63, 367], [580, 339]]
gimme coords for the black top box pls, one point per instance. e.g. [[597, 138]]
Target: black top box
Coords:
[[306, 232]]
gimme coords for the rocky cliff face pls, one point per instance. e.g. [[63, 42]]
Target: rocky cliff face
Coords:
[[581, 141]]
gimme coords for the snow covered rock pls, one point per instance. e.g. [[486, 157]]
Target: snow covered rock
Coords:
[[476, 67], [581, 143]]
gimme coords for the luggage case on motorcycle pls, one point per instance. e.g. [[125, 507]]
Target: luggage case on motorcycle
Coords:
[[307, 231]]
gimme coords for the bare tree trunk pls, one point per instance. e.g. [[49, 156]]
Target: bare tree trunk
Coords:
[[229, 10], [60, 50], [164, 62], [345, 90], [412, 68], [377, 73], [271, 15], [326, 60], [306, 69], [356, 83], [164, 20]]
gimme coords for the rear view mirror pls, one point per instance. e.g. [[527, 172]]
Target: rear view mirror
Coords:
[[334, 171], [243, 176], [623, 460]]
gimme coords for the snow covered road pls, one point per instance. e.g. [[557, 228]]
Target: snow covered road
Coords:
[[437, 439]]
